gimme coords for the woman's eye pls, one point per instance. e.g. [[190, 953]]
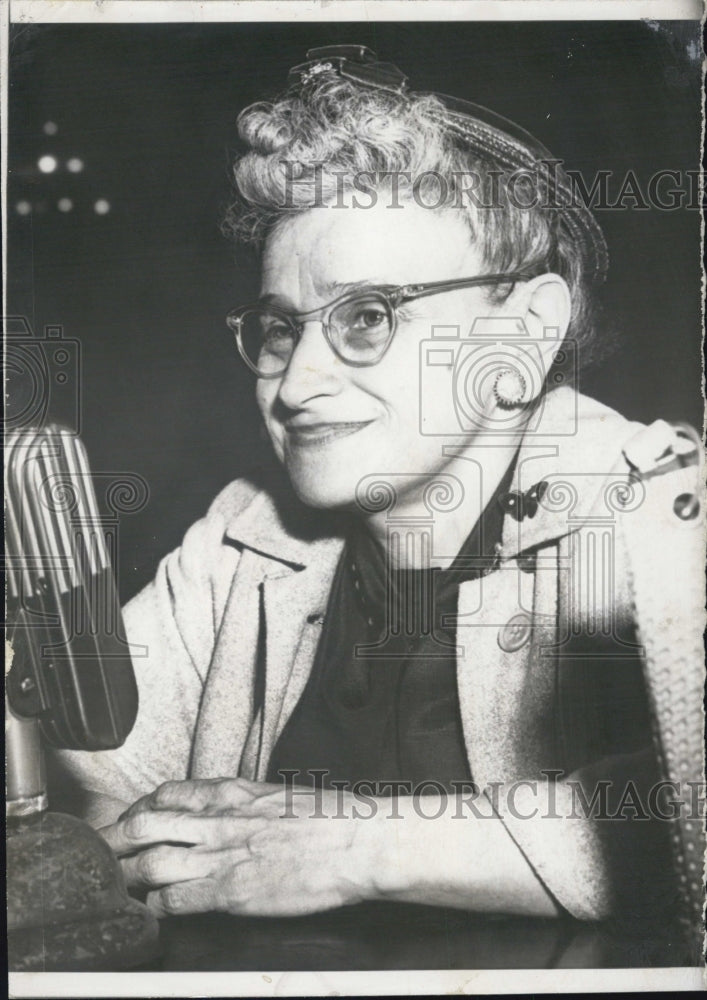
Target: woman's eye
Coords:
[[369, 318], [276, 331]]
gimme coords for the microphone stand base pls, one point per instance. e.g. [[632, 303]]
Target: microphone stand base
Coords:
[[68, 907]]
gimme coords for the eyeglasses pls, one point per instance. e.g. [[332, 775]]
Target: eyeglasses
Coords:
[[358, 326]]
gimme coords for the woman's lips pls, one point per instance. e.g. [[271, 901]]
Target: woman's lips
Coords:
[[311, 435]]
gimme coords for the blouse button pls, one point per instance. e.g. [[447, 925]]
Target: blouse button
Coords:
[[515, 633], [527, 562], [687, 506]]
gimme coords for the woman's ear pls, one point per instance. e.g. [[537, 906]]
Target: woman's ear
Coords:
[[548, 306], [545, 307]]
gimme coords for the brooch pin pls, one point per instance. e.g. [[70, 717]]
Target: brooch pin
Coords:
[[522, 505]]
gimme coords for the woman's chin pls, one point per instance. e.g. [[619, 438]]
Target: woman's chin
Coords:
[[324, 481], [323, 494]]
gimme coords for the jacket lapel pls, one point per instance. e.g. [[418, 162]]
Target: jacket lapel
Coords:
[[293, 601], [573, 449], [504, 691], [226, 710], [295, 605]]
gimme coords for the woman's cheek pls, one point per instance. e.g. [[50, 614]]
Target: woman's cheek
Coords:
[[265, 398], [276, 435], [265, 401]]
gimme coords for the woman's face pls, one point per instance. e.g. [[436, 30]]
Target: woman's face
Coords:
[[332, 424]]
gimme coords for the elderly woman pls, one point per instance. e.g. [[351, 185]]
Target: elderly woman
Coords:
[[413, 667]]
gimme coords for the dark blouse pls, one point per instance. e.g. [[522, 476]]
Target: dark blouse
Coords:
[[381, 703]]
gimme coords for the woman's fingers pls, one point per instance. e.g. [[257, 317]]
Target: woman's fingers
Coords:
[[199, 795], [140, 806], [165, 865], [200, 895], [144, 829], [206, 795], [196, 796], [147, 829]]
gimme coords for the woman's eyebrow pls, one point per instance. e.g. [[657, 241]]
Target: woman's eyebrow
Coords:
[[341, 287], [274, 299], [332, 290]]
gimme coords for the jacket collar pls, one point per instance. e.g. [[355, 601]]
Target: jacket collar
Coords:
[[573, 446], [576, 449], [276, 524]]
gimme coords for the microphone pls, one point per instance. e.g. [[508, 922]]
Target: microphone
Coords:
[[71, 664], [71, 677]]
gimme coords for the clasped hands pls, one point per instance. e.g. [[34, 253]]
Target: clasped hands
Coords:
[[241, 847]]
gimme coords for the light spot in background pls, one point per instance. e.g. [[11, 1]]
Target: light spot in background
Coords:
[[50, 128], [47, 164], [65, 204], [23, 208], [74, 165], [101, 207]]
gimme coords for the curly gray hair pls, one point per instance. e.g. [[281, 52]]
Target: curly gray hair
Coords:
[[303, 146]]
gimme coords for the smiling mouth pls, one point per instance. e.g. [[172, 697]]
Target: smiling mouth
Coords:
[[317, 434]]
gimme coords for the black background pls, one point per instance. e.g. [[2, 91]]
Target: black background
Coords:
[[151, 109]]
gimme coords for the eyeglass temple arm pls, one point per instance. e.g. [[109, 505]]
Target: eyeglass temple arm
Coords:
[[407, 293]]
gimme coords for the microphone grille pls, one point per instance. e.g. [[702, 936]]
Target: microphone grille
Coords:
[[55, 534]]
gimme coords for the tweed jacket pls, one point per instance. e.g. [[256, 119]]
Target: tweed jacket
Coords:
[[256, 570]]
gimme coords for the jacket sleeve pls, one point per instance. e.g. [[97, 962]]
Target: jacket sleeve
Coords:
[[171, 627], [592, 841], [634, 854]]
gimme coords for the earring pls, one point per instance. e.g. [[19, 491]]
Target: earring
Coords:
[[509, 388]]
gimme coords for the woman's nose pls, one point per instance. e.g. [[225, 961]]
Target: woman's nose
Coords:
[[313, 370]]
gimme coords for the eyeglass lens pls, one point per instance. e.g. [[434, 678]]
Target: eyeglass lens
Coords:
[[359, 331]]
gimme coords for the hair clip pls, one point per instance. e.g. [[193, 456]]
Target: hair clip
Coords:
[[315, 70], [351, 62]]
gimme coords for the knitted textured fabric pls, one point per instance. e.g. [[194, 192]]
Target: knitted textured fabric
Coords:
[[671, 634]]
